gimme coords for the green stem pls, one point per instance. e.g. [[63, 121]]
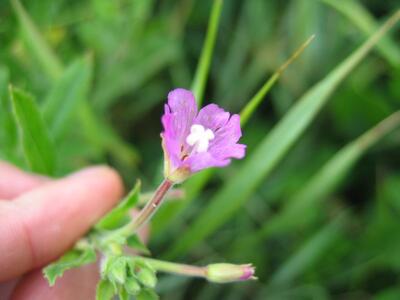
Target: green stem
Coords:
[[200, 78], [254, 102], [180, 269]]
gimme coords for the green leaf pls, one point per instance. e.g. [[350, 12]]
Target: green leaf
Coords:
[[234, 194], [134, 242], [105, 290], [67, 92], [147, 294], [72, 259], [200, 78], [119, 214], [37, 145], [38, 46]]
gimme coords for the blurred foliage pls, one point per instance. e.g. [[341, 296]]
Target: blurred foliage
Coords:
[[100, 71]]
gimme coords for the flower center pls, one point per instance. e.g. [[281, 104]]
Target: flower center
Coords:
[[199, 138]]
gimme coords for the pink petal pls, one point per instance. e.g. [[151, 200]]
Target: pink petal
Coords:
[[212, 117], [183, 108], [200, 161], [225, 144], [178, 117]]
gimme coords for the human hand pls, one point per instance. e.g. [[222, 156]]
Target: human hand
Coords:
[[41, 218]]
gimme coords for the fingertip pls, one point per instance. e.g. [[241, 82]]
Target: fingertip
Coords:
[[56, 215], [108, 179]]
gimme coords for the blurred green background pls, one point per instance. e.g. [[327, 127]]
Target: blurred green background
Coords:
[[317, 210]]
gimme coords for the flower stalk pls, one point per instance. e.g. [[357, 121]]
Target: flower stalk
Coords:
[[150, 208], [144, 215], [179, 269], [219, 273]]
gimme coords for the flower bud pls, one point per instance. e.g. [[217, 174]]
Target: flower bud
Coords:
[[147, 277], [222, 273], [132, 286], [116, 270]]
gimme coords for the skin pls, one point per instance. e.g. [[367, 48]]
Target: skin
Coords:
[[41, 218]]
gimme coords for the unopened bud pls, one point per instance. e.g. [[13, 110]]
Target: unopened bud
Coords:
[[117, 270], [147, 277], [222, 273], [132, 286]]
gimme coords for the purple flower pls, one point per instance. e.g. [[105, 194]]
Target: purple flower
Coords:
[[193, 140]]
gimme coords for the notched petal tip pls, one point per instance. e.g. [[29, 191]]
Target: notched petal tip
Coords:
[[234, 122], [239, 151], [212, 116], [180, 98]]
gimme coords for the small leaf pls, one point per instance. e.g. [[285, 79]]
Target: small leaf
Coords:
[[119, 214], [134, 242], [105, 290], [68, 91], [147, 294], [37, 145], [72, 259]]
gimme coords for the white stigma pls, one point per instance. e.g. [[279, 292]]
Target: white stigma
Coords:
[[199, 138]]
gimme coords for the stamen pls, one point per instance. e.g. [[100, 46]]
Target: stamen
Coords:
[[199, 138]]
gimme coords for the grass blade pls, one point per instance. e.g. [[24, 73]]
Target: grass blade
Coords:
[[254, 102], [68, 91], [200, 78], [359, 16], [36, 143], [326, 180], [311, 251], [272, 149], [45, 56], [8, 130]]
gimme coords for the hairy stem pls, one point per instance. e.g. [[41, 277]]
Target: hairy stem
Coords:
[[150, 208], [143, 217], [180, 269]]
